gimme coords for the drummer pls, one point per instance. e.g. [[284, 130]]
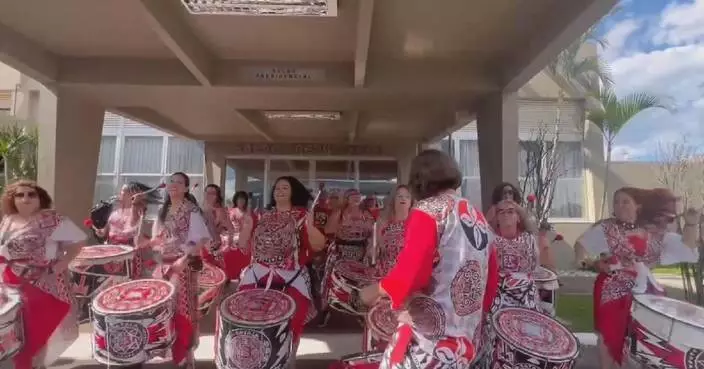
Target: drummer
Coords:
[[219, 224], [235, 258], [623, 249], [178, 236], [446, 255], [124, 221], [282, 241], [43, 243], [391, 227]]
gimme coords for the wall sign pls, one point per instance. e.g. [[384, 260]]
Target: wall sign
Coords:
[[311, 149], [283, 74]]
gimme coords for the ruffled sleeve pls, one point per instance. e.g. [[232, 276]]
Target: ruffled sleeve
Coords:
[[414, 267], [594, 241], [197, 229], [675, 251]]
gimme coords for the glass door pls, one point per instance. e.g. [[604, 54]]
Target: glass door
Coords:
[[377, 178], [335, 175], [246, 175]]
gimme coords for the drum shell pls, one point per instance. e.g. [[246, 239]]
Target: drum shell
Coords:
[[11, 332], [89, 279], [274, 343], [667, 328], [362, 360], [343, 294], [208, 293]]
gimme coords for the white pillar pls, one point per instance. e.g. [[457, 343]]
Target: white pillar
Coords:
[[215, 166]]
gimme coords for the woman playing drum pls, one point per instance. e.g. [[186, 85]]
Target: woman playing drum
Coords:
[[283, 239], [124, 222], [390, 233], [178, 236], [37, 246], [237, 255], [446, 255], [625, 248], [219, 224]]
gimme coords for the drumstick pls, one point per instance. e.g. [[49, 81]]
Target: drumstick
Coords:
[[374, 243]]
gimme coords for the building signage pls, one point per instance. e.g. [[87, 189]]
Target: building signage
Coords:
[[283, 74], [311, 149]]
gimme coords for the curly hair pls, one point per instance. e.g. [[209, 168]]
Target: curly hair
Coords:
[[432, 172], [498, 194], [8, 196], [299, 193]]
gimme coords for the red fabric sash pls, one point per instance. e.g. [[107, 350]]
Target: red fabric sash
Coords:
[[42, 314], [235, 260], [183, 343]]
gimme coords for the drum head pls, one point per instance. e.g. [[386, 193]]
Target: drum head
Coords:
[[257, 307], [678, 310], [535, 333], [544, 275], [133, 296], [103, 254], [211, 276], [10, 300], [382, 321], [356, 271]]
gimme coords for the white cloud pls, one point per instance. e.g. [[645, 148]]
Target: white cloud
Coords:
[[625, 153], [681, 23], [617, 37]]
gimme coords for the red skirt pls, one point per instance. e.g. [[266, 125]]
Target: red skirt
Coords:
[[234, 261], [42, 314], [186, 316], [612, 311]]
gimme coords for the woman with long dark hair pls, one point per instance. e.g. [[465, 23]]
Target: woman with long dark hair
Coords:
[[179, 234], [238, 254], [218, 222], [282, 241], [392, 225], [446, 257], [624, 248]]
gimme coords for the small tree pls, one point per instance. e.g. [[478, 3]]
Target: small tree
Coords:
[[18, 152]]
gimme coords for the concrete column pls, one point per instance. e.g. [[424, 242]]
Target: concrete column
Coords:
[[497, 128], [69, 146], [215, 166]]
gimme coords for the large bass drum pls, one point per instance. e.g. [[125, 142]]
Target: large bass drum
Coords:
[[347, 279], [253, 330], [210, 285], [666, 333], [11, 328], [527, 339], [381, 323], [547, 284], [133, 322]]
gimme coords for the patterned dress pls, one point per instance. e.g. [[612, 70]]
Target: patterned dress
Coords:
[[390, 244], [182, 225], [219, 234], [235, 258], [121, 232], [440, 279], [278, 261], [518, 260], [49, 307], [631, 252]]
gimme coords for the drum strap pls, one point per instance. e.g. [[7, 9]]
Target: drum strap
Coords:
[[276, 286]]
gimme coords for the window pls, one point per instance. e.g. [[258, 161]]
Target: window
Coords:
[[468, 160], [185, 156], [108, 151], [104, 188], [142, 155]]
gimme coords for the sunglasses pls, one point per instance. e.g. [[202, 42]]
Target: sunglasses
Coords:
[[29, 195]]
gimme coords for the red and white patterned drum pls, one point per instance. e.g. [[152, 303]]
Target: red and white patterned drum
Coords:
[[253, 330], [527, 339], [211, 280], [546, 282], [97, 268], [347, 279], [133, 322], [666, 333], [11, 329], [381, 323]]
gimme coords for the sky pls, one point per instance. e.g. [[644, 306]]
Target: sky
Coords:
[[657, 46]]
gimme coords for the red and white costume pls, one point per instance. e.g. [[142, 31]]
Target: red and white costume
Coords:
[[446, 257], [632, 252], [280, 250], [122, 232], [183, 225], [48, 305], [236, 258], [518, 260], [390, 243], [219, 236]]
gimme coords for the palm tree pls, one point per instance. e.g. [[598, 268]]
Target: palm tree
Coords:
[[614, 114], [18, 152]]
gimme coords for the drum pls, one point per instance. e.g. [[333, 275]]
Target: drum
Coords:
[[347, 279], [210, 284], [381, 323], [546, 283], [133, 322], [527, 339], [97, 268], [366, 360], [11, 329], [253, 330], [666, 333]]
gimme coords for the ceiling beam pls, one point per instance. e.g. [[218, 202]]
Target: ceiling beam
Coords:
[[28, 57], [255, 120], [364, 33], [557, 33], [166, 19], [153, 118], [353, 125]]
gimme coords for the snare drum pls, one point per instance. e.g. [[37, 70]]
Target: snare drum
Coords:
[[210, 283], [664, 326], [253, 330], [528, 339], [366, 360], [347, 279], [11, 329], [546, 283], [381, 323], [133, 322], [97, 268]]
